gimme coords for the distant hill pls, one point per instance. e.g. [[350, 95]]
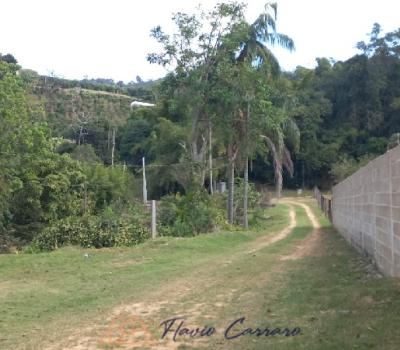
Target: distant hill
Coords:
[[141, 89], [90, 112], [64, 107], [68, 103]]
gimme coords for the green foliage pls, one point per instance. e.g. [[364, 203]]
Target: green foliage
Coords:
[[38, 185], [133, 134], [347, 166], [90, 232], [42, 189], [346, 110], [49, 189], [394, 140], [198, 212], [106, 185], [84, 116], [8, 58], [226, 82], [142, 89], [187, 215], [84, 153], [254, 199], [13, 117]]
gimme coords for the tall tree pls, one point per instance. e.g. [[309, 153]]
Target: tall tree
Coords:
[[254, 52], [37, 185], [194, 51], [278, 136]]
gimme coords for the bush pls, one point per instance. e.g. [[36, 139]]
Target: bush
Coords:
[[187, 215], [348, 166], [9, 243], [255, 199], [90, 232]]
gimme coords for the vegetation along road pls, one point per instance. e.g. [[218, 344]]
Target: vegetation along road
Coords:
[[298, 275]]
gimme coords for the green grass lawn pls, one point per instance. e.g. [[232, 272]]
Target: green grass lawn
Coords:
[[332, 294], [335, 296], [41, 294]]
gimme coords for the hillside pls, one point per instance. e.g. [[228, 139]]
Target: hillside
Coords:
[[63, 107], [65, 101]]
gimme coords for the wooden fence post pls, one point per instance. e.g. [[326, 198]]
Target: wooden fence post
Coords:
[[324, 203]]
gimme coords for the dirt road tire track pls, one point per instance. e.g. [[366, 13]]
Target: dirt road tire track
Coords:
[[127, 326]]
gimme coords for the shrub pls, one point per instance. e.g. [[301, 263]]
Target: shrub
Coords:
[[9, 243], [187, 215], [91, 232], [254, 200], [348, 166]]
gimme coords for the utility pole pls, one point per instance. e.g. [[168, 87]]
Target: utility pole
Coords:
[[144, 182]]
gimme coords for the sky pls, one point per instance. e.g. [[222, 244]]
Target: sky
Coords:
[[111, 38]]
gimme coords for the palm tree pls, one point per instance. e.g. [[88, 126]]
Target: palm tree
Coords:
[[253, 50], [277, 139], [261, 33]]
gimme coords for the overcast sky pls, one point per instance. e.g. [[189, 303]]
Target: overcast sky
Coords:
[[110, 38]]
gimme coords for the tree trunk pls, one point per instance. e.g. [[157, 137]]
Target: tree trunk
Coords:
[[246, 194], [246, 171], [80, 135], [108, 137], [277, 166], [113, 148], [231, 184], [210, 156], [279, 180], [198, 143]]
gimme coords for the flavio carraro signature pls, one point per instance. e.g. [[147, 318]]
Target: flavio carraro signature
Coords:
[[177, 328]]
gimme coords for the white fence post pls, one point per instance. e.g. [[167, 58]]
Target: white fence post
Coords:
[[144, 182], [153, 219]]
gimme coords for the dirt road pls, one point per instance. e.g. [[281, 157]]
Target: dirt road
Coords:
[[208, 299]]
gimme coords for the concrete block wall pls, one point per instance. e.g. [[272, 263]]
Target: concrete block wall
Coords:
[[366, 210]]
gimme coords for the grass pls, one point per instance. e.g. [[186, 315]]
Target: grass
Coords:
[[306, 192], [64, 288], [332, 295], [334, 300]]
